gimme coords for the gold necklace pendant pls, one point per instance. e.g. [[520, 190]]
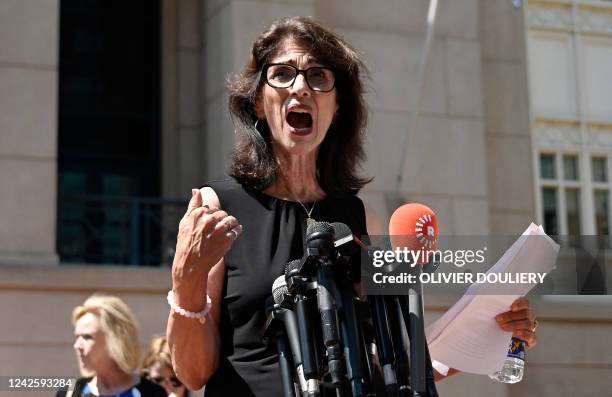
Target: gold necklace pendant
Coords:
[[309, 220]]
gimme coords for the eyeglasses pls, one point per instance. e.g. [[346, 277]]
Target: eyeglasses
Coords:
[[318, 78], [173, 380]]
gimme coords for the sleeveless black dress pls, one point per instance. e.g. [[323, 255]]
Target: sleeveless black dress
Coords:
[[273, 235]]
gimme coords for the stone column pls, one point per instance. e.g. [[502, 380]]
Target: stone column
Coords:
[[506, 104], [182, 72], [29, 47]]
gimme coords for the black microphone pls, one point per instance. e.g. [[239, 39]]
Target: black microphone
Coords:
[[352, 248], [320, 246], [275, 332], [287, 316], [298, 286], [383, 342], [415, 226], [348, 247]]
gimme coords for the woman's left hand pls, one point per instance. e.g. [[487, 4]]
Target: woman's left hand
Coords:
[[521, 320]]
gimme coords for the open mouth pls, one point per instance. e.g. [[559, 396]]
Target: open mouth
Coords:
[[300, 122]]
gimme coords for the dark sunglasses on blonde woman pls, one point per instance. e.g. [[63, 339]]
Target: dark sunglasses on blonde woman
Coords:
[[174, 381]]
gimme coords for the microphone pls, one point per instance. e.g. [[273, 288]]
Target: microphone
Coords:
[[275, 333], [298, 287], [350, 247], [384, 344], [346, 242], [320, 246], [414, 222], [414, 227], [287, 316]]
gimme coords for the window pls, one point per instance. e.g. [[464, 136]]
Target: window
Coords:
[[572, 211], [601, 212], [549, 198], [566, 198], [547, 166], [109, 150], [570, 167], [560, 189], [598, 169]]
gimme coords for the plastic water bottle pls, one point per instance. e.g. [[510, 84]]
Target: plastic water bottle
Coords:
[[514, 367]]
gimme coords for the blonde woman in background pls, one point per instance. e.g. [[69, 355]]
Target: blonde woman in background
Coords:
[[106, 345], [157, 366]]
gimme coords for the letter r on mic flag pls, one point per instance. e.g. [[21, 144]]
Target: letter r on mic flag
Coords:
[[414, 227]]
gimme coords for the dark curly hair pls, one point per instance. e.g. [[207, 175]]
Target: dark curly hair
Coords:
[[341, 151]]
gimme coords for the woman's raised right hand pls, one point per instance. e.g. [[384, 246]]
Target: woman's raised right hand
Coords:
[[204, 237]]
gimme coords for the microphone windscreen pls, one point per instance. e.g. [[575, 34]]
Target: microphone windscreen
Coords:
[[319, 227], [279, 289], [291, 267], [341, 230], [414, 226]]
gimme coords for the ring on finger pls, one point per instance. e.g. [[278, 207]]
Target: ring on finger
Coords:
[[233, 232]]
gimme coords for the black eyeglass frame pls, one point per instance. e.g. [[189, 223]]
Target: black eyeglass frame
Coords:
[[303, 72]]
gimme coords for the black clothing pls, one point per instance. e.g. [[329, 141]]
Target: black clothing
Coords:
[[145, 387], [274, 230]]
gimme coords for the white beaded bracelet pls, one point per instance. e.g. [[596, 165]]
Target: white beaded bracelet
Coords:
[[200, 316]]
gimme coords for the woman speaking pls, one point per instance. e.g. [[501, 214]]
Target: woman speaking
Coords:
[[300, 117]]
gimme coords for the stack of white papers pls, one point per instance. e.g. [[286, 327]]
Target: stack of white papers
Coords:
[[467, 337]]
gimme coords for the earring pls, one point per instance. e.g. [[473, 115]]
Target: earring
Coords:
[[256, 121]]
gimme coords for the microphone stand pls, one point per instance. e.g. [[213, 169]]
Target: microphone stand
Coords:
[[421, 371], [400, 344]]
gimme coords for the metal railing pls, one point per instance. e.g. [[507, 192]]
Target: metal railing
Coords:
[[118, 230]]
